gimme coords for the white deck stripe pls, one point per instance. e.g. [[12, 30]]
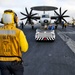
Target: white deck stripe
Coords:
[[68, 40]]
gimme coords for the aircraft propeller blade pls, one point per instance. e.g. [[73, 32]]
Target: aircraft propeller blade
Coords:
[[35, 19], [31, 11], [29, 16], [64, 20], [23, 18], [30, 21], [23, 14], [26, 11], [60, 10], [60, 16], [66, 16], [57, 20], [64, 12], [26, 22], [34, 14], [56, 12]]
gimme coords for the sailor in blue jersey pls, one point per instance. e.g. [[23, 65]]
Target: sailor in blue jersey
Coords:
[[51, 27]]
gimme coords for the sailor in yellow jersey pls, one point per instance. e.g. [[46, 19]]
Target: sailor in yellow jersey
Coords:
[[12, 43]]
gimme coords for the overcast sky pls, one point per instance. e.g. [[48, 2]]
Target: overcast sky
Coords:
[[19, 6]]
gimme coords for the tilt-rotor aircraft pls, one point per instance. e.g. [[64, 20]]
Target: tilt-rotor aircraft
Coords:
[[45, 19]]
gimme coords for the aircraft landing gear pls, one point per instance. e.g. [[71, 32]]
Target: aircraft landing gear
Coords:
[[32, 27], [55, 27]]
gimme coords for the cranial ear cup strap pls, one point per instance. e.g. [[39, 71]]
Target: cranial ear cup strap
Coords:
[[15, 19]]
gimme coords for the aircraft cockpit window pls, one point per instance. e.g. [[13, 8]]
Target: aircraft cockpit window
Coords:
[[45, 16]]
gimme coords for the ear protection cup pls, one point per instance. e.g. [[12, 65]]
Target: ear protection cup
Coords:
[[15, 16]]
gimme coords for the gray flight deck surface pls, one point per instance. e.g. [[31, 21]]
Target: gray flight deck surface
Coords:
[[50, 58]]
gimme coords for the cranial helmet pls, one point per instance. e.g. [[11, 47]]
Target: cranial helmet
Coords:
[[9, 17]]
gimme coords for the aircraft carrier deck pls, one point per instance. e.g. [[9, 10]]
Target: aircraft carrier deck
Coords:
[[50, 58]]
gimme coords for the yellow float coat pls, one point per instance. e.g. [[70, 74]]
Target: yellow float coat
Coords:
[[12, 43]]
